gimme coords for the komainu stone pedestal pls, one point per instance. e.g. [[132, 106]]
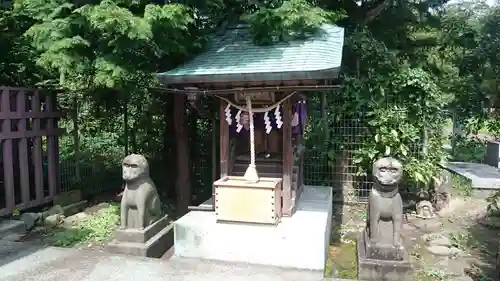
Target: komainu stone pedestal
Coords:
[[382, 262], [153, 241]]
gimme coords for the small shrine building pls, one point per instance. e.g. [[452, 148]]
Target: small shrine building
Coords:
[[263, 93]]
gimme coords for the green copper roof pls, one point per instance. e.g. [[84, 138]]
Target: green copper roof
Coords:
[[233, 57]]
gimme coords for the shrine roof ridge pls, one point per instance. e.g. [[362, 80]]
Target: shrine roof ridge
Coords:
[[234, 57]]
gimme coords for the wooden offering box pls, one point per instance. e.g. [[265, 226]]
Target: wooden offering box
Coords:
[[239, 201]]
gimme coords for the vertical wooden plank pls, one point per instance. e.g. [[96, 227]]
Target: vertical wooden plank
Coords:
[[224, 140], [37, 149], [214, 149], [215, 144], [56, 141], [23, 148], [183, 182], [288, 203], [300, 182], [52, 153], [8, 163]]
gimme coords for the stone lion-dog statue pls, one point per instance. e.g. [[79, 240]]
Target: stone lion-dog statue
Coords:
[[140, 194]]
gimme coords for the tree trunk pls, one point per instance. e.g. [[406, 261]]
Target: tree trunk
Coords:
[[168, 146], [182, 184], [125, 124]]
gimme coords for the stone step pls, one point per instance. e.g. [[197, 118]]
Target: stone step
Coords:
[[8, 227]]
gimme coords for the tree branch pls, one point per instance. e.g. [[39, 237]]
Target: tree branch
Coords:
[[375, 9], [367, 12]]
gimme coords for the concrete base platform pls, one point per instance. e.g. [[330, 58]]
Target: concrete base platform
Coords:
[[481, 176], [381, 270], [153, 242], [299, 242]]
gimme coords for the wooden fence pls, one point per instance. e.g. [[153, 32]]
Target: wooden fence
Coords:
[[29, 153]]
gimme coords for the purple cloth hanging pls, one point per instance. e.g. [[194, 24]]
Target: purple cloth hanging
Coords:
[[301, 110]]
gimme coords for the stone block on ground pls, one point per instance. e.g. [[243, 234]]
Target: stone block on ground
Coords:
[[439, 250], [53, 220], [74, 219], [29, 219], [154, 241], [11, 226], [381, 270], [74, 208], [492, 156], [55, 210], [426, 225]]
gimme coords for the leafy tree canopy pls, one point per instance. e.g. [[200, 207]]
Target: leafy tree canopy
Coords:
[[293, 19]]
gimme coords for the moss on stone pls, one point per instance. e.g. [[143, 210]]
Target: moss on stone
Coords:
[[342, 260]]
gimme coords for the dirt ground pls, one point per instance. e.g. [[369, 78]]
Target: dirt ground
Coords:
[[44, 235], [460, 243]]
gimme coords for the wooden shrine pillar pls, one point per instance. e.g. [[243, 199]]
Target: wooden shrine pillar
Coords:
[[224, 145], [224, 140], [288, 201]]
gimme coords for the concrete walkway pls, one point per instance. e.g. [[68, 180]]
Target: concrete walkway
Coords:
[[25, 262]]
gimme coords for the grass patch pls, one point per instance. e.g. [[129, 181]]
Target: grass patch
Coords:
[[468, 149], [342, 259], [431, 275], [95, 228], [461, 184]]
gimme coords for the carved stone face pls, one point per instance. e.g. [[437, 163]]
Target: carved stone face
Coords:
[[387, 171], [134, 166]]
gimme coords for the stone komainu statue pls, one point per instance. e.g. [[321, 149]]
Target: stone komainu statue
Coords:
[[140, 204], [385, 203]]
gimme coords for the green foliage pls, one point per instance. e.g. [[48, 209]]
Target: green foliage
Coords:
[[95, 228], [101, 56], [106, 44], [468, 149], [493, 208], [461, 184], [17, 67], [403, 64], [400, 112], [292, 20]]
